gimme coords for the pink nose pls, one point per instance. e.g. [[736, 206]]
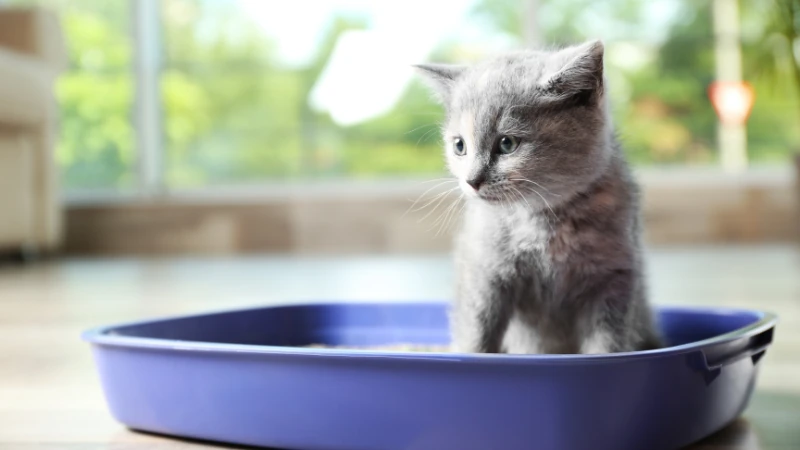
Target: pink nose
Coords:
[[476, 182]]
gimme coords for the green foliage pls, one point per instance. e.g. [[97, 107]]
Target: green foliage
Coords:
[[771, 32], [97, 146], [232, 113], [671, 119], [405, 141], [667, 117]]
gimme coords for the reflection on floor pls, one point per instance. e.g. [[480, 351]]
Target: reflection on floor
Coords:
[[49, 396]]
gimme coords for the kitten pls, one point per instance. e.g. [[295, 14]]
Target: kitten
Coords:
[[549, 255]]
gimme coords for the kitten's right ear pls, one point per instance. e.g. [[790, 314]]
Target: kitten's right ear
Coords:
[[441, 78], [579, 73]]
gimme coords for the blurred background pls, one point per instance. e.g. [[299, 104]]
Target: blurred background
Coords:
[[231, 126], [166, 157]]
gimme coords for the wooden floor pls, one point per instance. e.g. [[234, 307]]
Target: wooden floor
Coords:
[[50, 397]]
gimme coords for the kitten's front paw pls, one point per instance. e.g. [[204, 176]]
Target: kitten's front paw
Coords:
[[598, 342], [461, 348]]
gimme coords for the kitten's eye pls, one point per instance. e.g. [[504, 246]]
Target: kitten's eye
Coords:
[[508, 144], [459, 147]]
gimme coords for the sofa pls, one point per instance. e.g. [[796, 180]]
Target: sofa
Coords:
[[32, 54]]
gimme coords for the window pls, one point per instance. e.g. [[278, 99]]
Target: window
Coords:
[[275, 90], [97, 148], [252, 91]]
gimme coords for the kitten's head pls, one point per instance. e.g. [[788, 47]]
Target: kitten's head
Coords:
[[532, 123]]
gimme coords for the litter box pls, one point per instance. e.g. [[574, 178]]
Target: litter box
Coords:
[[248, 377]]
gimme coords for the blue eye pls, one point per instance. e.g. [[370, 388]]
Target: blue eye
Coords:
[[507, 144], [459, 147]]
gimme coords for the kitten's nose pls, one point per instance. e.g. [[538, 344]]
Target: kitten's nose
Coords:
[[476, 182]]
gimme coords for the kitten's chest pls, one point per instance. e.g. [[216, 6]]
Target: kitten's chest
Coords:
[[522, 240], [526, 235], [527, 247]]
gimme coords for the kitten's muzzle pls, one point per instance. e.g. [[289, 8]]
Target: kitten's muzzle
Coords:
[[477, 181], [491, 193]]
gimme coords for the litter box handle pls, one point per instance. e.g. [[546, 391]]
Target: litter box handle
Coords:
[[716, 357]]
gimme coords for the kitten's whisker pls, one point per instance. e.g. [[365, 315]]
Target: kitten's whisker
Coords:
[[423, 195], [433, 200], [523, 197], [440, 218], [547, 218], [463, 206], [423, 113], [537, 184], [451, 213], [437, 205], [508, 202], [555, 216], [455, 213], [439, 195], [424, 136], [443, 216], [421, 126], [438, 179]]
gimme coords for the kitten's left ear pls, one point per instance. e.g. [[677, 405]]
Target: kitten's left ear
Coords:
[[579, 72], [441, 78]]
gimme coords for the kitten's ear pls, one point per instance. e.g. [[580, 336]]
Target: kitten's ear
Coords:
[[578, 73], [440, 78]]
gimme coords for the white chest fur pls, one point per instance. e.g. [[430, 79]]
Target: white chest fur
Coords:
[[498, 234], [527, 232]]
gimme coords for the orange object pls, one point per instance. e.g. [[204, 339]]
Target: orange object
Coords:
[[732, 100]]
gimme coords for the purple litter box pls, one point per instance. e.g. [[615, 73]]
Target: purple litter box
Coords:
[[239, 377]]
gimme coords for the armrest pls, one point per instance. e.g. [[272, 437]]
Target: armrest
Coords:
[[26, 90], [34, 32]]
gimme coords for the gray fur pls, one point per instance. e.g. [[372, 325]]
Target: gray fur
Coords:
[[549, 256]]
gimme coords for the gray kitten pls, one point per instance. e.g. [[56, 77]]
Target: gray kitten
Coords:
[[549, 256]]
